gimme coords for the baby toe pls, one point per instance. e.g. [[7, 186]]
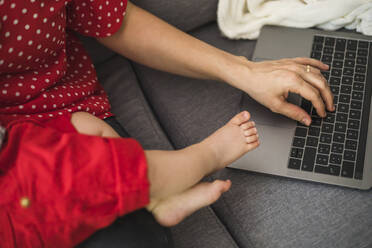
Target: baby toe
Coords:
[[251, 139], [250, 132], [248, 125]]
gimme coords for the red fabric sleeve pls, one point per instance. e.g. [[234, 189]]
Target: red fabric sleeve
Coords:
[[95, 18], [75, 184]]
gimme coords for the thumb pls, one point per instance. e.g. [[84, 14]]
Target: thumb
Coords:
[[294, 112]]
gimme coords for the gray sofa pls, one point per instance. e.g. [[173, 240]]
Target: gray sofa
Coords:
[[164, 111]]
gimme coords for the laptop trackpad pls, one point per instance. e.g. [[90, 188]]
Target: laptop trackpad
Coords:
[[264, 116]]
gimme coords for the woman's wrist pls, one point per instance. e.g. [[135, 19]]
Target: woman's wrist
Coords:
[[236, 71]]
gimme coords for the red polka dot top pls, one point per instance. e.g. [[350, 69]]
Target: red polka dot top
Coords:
[[44, 70]]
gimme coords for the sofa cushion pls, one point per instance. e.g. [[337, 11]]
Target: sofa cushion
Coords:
[[185, 15], [129, 105]]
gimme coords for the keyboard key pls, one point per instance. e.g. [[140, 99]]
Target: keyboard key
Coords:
[[337, 148], [349, 63], [318, 39], [334, 81], [316, 121], [335, 89], [294, 163], [309, 159], [340, 45], [299, 142], [362, 52], [345, 89], [363, 44], [318, 47], [359, 78], [341, 117], [360, 69], [338, 137], [348, 71], [349, 155], [314, 131], [335, 158], [312, 141], [350, 55], [322, 159], [328, 50], [344, 98], [337, 64], [351, 144], [333, 170], [336, 72], [326, 58], [327, 128], [352, 45], [301, 132], [361, 61], [297, 152], [344, 108], [326, 138], [358, 86], [354, 124], [357, 95], [340, 127], [338, 55], [355, 114], [330, 118], [316, 55], [347, 169], [329, 41], [356, 104], [324, 148], [347, 80], [352, 134]]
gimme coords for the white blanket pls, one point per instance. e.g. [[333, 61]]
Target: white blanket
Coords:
[[243, 19]]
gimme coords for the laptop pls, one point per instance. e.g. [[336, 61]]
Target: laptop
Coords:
[[336, 149]]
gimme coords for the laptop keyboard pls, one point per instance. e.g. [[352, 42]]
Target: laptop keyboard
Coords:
[[335, 145]]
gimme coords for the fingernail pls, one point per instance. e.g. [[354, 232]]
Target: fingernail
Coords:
[[306, 121]]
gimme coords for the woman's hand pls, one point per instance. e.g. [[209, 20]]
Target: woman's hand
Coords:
[[270, 82]]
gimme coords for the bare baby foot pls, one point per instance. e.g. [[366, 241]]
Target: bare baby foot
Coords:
[[233, 140], [173, 210]]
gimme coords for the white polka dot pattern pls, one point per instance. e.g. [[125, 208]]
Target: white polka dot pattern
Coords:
[[44, 70]]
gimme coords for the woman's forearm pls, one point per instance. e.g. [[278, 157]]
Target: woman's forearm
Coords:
[[148, 40]]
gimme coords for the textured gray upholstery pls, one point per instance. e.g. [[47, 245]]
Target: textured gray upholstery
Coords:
[[185, 15], [129, 104]]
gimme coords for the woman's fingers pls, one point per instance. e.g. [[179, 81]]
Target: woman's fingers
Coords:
[[313, 76], [310, 93], [320, 83], [312, 62], [294, 112]]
